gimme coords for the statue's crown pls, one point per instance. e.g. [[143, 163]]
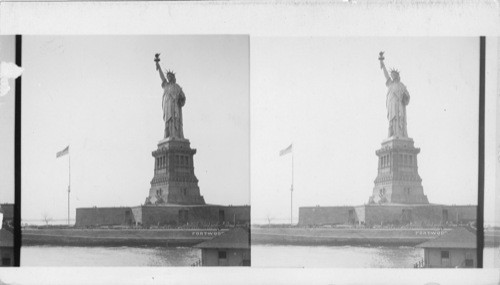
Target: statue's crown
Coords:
[[394, 70], [170, 72]]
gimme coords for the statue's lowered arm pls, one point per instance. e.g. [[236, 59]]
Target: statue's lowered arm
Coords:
[[406, 97], [182, 98]]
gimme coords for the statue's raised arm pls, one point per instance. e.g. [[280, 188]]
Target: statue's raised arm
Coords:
[[382, 65], [157, 60]]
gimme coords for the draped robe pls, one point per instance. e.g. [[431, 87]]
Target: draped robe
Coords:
[[172, 103], [397, 99]]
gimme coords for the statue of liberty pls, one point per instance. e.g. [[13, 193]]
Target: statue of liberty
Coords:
[[396, 101], [172, 103]]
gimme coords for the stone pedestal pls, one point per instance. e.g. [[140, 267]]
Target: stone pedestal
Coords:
[[174, 181], [398, 180]]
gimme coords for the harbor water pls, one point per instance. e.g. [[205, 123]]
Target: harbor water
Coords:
[[107, 256], [262, 256], [346, 256]]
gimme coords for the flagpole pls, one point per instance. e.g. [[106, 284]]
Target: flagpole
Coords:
[[284, 152], [69, 181], [291, 197]]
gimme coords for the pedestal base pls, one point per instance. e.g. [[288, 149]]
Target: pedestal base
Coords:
[[174, 181], [398, 180]]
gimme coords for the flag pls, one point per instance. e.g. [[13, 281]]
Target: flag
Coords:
[[63, 152], [286, 150]]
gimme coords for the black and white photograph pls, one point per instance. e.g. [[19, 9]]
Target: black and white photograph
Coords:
[[135, 151], [364, 152], [238, 142]]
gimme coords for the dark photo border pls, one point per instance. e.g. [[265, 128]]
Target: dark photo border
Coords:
[[17, 157]]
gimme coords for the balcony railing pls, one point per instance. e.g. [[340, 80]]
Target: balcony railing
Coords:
[[197, 263], [419, 264]]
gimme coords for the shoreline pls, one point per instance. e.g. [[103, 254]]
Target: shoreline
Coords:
[[118, 237], [330, 241], [352, 237]]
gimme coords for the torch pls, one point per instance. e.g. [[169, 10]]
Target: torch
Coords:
[[381, 58], [157, 59]]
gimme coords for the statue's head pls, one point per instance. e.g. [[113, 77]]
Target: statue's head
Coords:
[[170, 76], [395, 75]]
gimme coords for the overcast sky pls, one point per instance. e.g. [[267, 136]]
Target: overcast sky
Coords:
[[102, 96], [7, 54], [327, 96]]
